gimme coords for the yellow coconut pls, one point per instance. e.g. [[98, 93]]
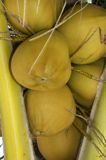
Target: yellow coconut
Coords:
[[85, 33], [30, 16], [50, 112], [62, 146], [84, 81], [41, 68]]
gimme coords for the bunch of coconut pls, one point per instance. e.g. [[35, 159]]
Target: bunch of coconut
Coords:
[[56, 63], [85, 33]]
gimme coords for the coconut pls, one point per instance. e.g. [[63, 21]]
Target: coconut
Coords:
[[85, 32], [30, 16], [49, 112], [37, 66], [84, 81], [62, 146]]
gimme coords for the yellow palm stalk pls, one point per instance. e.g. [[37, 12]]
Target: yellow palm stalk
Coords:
[[95, 149], [17, 142]]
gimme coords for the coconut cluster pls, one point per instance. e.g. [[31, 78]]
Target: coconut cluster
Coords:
[[60, 58]]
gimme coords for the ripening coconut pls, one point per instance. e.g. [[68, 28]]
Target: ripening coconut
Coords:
[[37, 66], [85, 32], [30, 16], [50, 112], [84, 81], [61, 146]]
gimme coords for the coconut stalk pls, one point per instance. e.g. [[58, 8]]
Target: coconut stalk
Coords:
[[95, 148], [17, 142]]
